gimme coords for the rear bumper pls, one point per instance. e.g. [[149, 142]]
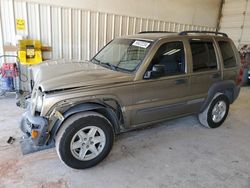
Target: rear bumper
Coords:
[[236, 92], [40, 124]]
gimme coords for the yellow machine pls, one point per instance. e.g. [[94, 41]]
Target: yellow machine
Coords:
[[30, 52]]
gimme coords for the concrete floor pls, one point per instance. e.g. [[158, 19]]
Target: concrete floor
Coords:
[[178, 153]]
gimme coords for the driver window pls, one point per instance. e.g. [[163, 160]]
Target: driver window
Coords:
[[172, 56]]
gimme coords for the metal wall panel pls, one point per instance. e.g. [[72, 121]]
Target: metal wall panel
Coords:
[[236, 21], [56, 32], [246, 29], [7, 20], [73, 33]]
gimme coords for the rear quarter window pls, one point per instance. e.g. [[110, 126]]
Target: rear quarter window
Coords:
[[227, 53]]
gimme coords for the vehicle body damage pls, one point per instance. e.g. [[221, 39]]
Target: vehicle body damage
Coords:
[[77, 81]]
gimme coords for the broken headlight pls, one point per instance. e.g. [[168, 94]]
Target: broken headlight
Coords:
[[39, 102], [36, 101]]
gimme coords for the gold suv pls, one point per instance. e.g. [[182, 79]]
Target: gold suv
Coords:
[[134, 81]]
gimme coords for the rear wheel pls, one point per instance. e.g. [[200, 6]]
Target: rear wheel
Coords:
[[216, 112], [84, 140]]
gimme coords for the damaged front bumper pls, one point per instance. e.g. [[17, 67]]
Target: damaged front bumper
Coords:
[[35, 128]]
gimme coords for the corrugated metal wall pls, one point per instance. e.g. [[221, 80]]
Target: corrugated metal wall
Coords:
[[74, 33], [236, 20]]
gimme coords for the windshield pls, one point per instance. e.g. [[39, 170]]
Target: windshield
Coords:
[[123, 54]]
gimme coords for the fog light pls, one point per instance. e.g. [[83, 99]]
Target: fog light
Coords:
[[34, 134]]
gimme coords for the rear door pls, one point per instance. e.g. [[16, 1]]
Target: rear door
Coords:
[[205, 67]]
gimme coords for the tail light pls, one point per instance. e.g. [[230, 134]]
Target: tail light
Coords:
[[240, 76]]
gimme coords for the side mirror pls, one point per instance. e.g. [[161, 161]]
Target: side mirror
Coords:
[[157, 71]]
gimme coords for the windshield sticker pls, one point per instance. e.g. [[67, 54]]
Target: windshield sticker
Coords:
[[141, 44]]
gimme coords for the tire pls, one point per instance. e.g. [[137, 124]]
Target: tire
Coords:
[[77, 141], [208, 117]]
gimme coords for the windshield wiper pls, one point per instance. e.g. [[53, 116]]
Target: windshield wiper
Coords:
[[97, 61], [109, 65]]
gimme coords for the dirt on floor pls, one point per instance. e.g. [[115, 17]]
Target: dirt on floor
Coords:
[[178, 153]]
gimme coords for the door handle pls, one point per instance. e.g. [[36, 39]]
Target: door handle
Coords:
[[180, 81]]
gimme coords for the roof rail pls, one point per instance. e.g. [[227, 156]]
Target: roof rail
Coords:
[[205, 32], [143, 32]]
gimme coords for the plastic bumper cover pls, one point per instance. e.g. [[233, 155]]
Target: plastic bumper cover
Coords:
[[37, 123], [236, 92]]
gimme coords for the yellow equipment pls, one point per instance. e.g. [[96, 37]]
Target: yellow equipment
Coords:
[[30, 52]]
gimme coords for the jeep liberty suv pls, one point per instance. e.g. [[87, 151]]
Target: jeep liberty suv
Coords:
[[134, 81]]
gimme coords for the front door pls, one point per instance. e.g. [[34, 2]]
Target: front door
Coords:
[[166, 96]]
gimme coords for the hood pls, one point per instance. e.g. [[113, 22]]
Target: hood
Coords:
[[62, 74]]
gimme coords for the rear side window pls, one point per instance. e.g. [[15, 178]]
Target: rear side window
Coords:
[[203, 53], [227, 54]]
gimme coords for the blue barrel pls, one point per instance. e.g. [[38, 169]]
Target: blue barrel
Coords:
[[7, 84]]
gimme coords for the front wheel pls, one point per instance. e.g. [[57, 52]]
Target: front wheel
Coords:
[[84, 140], [216, 112]]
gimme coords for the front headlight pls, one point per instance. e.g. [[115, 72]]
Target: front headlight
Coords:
[[39, 103], [32, 104], [36, 101]]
